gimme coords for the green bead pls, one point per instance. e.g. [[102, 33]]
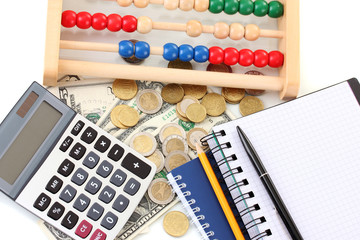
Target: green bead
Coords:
[[231, 6], [246, 7], [216, 6], [261, 8], [276, 9]]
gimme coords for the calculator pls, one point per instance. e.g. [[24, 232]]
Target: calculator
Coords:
[[68, 171]]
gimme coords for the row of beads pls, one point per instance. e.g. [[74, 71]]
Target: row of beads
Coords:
[[215, 55]]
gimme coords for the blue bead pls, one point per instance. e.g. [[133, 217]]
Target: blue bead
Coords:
[[142, 50], [186, 53], [171, 52], [201, 54], [126, 49]]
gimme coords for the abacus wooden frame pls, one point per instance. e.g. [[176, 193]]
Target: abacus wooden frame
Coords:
[[287, 83]]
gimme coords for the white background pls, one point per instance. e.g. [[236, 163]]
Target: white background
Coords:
[[329, 44]]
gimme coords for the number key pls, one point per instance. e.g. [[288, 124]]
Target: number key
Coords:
[[81, 203], [68, 194], [91, 160], [109, 221], [79, 177], [118, 178], [107, 194], [95, 212], [93, 186], [104, 169]]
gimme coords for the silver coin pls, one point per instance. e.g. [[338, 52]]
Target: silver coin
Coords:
[[175, 159], [174, 143], [158, 159], [194, 136], [149, 101], [144, 143], [160, 191], [171, 129]]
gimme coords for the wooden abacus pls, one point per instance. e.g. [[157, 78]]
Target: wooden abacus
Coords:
[[287, 83]]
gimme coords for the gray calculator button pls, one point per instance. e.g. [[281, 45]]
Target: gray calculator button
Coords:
[[118, 178], [104, 169], [132, 186], [107, 194], [121, 203], [91, 160], [68, 194], [109, 221], [95, 212], [81, 203], [93, 185], [79, 176]]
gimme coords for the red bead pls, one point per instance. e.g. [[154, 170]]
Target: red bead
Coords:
[[246, 57], [261, 58], [276, 59], [99, 21], [231, 56], [129, 23], [114, 22], [216, 55], [68, 19], [83, 20]]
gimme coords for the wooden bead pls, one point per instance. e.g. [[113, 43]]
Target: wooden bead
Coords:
[[171, 4], [252, 32], [141, 3], [237, 31], [221, 30], [201, 5], [193, 28], [186, 5], [124, 3], [144, 24]]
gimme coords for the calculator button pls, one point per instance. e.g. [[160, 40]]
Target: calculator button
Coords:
[[136, 166], [109, 221], [54, 184], [102, 144], [107, 194], [132, 186], [66, 168], [70, 220], [93, 185], [89, 135], [81, 203], [95, 212], [104, 169], [79, 176], [91, 160], [116, 152], [98, 235], [56, 211], [121, 203], [42, 202], [77, 128], [118, 178], [77, 151], [66, 144], [84, 229], [68, 194]]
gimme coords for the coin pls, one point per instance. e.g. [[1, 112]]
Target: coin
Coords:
[[171, 129], [158, 159], [149, 101], [181, 117], [214, 103], [233, 95], [196, 91], [176, 159], [133, 59], [160, 191], [172, 93], [124, 89], [144, 143], [250, 105], [180, 64], [219, 68], [129, 116], [196, 112], [173, 143], [184, 104], [194, 136], [176, 223], [114, 116], [254, 92]]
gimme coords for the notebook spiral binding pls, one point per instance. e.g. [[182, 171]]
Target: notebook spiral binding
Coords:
[[231, 172]]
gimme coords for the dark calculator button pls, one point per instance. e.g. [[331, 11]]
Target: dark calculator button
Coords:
[[54, 184], [89, 135], [77, 128], [116, 152], [107, 194], [109, 221], [56, 211], [121, 203], [79, 176], [95, 212], [102, 144], [104, 169], [81, 203], [42, 202], [77, 151], [136, 166], [70, 220], [91, 160], [93, 185], [118, 178], [66, 168], [68, 194], [132, 186], [66, 144]]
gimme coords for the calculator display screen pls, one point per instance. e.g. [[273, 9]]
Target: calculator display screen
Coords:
[[28, 142]]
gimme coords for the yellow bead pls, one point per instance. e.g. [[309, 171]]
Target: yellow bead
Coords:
[[252, 32], [237, 31], [193, 28], [141, 3], [124, 3], [221, 30], [186, 5], [144, 24], [201, 5], [171, 4]]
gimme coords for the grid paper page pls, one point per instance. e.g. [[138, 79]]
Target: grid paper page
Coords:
[[311, 148]]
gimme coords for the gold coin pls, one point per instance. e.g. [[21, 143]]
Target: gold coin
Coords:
[[176, 159], [129, 116], [172, 93], [250, 105], [222, 67], [176, 223], [144, 143], [254, 92], [174, 143], [160, 191], [158, 159], [180, 64], [194, 136], [124, 89], [171, 129], [233, 95], [196, 91], [149, 101], [214, 103], [184, 104], [114, 116], [181, 117], [196, 112]]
